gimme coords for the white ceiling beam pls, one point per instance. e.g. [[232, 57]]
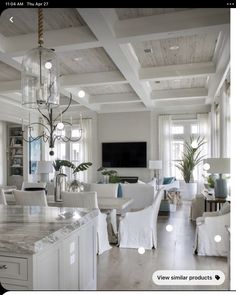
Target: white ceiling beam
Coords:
[[222, 68], [125, 107], [177, 103], [176, 71], [75, 80], [171, 25], [83, 101], [113, 98], [9, 61], [101, 22], [61, 40], [179, 93], [93, 79], [10, 86]]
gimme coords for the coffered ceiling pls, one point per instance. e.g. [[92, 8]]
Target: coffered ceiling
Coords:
[[125, 59]]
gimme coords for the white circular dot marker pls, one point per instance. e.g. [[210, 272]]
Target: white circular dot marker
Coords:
[[141, 250], [206, 166], [81, 93], [194, 144], [217, 238], [169, 227], [48, 65], [60, 126]]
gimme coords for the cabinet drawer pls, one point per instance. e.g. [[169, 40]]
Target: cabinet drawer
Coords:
[[13, 268]]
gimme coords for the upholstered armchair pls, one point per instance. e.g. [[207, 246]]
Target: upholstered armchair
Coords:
[[212, 238]]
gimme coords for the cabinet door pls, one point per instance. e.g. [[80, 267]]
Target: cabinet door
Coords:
[[69, 264], [87, 257]]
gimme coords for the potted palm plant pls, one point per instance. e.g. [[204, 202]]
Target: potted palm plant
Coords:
[[191, 157]]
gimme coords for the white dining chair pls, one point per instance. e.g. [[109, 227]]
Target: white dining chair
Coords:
[[139, 229], [89, 200], [107, 190], [2, 198], [30, 198]]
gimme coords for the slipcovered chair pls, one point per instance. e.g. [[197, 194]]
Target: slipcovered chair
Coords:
[[107, 190], [197, 207], [142, 195], [210, 225], [139, 229], [2, 198], [89, 200], [32, 198]]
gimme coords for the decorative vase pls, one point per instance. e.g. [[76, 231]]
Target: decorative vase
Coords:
[[76, 185], [59, 185], [105, 178]]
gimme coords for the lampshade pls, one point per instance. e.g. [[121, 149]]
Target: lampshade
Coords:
[[155, 164], [44, 167], [218, 165]]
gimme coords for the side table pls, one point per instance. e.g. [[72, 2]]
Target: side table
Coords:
[[214, 203]]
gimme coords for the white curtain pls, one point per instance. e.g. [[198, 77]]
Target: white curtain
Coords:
[[165, 137], [226, 121], [86, 150], [204, 125]]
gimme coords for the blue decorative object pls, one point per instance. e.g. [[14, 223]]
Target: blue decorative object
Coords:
[[119, 192], [168, 180]]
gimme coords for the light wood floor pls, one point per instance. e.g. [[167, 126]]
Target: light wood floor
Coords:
[[126, 269]]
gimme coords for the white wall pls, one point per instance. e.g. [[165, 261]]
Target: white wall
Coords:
[[135, 126], [3, 162]]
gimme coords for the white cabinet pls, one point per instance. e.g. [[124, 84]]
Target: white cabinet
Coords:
[[69, 264]]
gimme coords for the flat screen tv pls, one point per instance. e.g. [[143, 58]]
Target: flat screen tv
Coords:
[[124, 154]]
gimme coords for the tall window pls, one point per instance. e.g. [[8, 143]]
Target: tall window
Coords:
[[181, 131], [76, 152]]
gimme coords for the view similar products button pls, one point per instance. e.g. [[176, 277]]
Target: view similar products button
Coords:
[[188, 277]]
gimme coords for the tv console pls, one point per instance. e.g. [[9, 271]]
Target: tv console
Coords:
[[130, 179]]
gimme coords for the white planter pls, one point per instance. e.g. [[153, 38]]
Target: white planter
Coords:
[[189, 191]]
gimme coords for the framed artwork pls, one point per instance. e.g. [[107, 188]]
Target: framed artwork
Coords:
[[34, 155]]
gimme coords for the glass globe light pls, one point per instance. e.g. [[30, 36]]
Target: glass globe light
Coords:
[[81, 93], [60, 126]]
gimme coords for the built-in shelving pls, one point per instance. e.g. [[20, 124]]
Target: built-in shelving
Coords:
[[15, 155]]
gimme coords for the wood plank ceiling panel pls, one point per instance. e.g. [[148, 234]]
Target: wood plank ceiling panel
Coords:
[[105, 89], [127, 13], [25, 21], [86, 61], [192, 49]]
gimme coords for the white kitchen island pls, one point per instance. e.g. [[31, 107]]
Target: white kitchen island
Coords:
[[48, 248]]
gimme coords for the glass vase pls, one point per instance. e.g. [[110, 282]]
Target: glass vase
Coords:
[[76, 185]]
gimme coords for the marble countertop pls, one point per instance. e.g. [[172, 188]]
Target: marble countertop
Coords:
[[30, 229]]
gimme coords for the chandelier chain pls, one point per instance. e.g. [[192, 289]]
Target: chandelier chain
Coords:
[[40, 26]]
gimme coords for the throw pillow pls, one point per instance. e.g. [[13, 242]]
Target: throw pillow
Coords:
[[168, 180]]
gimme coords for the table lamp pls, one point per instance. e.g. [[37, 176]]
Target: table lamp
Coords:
[[156, 165], [44, 168], [219, 166]]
